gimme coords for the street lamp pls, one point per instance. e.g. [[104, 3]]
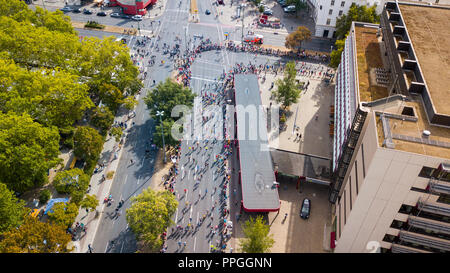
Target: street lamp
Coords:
[[159, 114], [243, 15]]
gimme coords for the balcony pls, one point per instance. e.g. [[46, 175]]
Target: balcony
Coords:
[[437, 186], [396, 248], [434, 207], [428, 224], [425, 240]]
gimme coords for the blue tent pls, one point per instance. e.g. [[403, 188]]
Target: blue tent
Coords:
[[54, 201]]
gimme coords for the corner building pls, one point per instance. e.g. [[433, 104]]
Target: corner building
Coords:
[[390, 187]]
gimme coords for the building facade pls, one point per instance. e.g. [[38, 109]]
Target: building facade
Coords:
[[391, 183], [325, 13], [133, 7]]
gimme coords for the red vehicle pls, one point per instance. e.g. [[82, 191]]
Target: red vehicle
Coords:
[[254, 39]]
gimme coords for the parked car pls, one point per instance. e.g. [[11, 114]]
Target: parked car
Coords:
[[268, 12], [207, 12], [306, 208], [137, 17], [125, 16], [115, 15], [289, 9], [77, 10], [67, 9], [283, 3], [101, 13], [86, 11]]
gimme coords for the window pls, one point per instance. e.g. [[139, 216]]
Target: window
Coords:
[[426, 172], [350, 180], [328, 21], [342, 3], [345, 210], [330, 12], [340, 12], [364, 163], [332, 2]]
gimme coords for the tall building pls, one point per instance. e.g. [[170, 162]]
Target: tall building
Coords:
[[391, 156]]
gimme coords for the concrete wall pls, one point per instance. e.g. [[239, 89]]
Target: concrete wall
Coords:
[[390, 174]]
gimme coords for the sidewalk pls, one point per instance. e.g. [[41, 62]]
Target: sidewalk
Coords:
[[100, 189]]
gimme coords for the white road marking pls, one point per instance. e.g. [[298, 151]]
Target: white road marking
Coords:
[[195, 241], [138, 181]]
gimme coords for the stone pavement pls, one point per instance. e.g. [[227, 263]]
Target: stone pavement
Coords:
[[314, 101]]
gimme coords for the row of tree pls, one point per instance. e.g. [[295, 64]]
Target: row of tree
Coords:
[[55, 91]]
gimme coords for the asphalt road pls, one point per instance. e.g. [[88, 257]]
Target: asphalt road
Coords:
[[113, 234]]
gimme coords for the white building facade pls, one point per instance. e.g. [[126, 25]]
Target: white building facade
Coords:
[[325, 13]]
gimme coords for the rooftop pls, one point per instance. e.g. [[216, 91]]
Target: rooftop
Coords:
[[429, 30], [368, 58], [259, 194], [413, 130]]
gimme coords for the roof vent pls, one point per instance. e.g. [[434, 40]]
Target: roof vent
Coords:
[[426, 133]]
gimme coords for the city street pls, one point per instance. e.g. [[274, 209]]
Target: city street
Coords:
[[197, 201]]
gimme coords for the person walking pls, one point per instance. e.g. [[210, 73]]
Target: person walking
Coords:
[[90, 249]]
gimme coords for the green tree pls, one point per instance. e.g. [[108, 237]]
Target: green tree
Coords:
[[116, 132], [63, 214], [344, 23], [12, 210], [335, 57], [50, 97], [355, 13], [34, 236], [74, 182], [295, 39], [288, 90], [27, 151], [88, 143], [257, 238], [90, 202], [102, 118], [150, 214], [169, 141], [166, 96]]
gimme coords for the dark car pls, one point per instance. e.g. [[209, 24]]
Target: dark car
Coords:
[[86, 11], [207, 12], [77, 10], [306, 208], [125, 16], [268, 12], [101, 13]]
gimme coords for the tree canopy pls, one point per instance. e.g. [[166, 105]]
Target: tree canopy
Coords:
[[355, 13], [27, 151], [288, 90], [166, 96], [34, 236], [90, 202], [150, 215], [88, 143], [344, 23], [257, 238], [74, 182], [12, 210], [63, 214], [295, 39]]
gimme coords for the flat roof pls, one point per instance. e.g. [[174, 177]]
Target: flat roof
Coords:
[[257, 174], [429, 30], [368, 57], [413, 130]]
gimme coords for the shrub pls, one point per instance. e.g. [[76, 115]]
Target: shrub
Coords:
[[44, 196]]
